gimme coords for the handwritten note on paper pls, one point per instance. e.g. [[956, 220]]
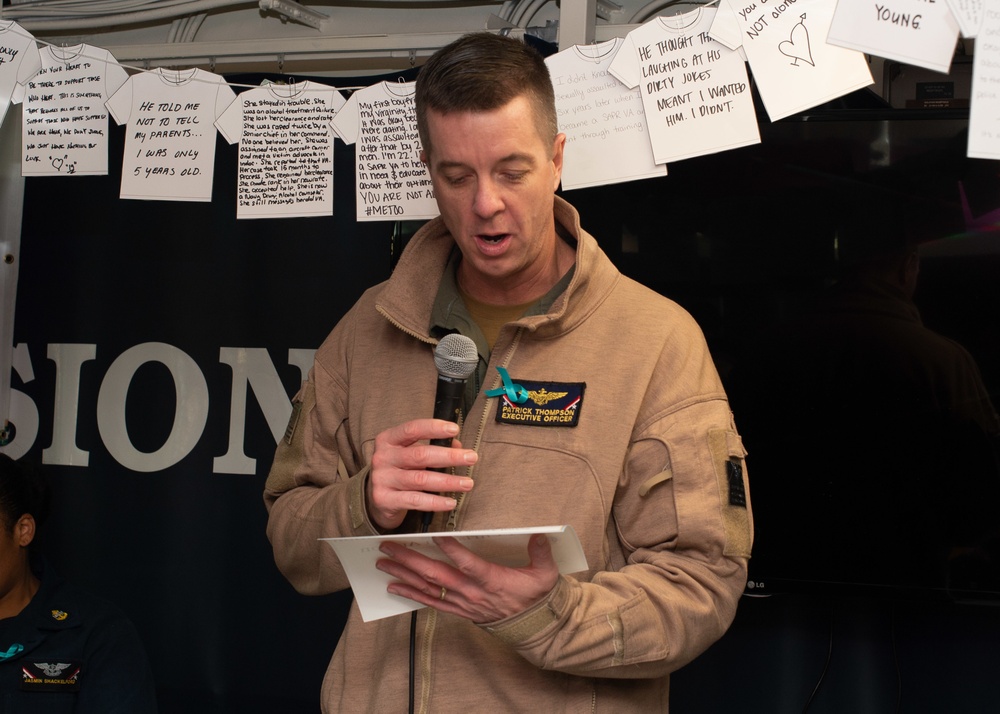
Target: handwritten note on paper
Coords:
[[969, 14], [19, 61], [918, 32], [392, 182], [170, 142], [984, 111], [695, 90], [286, 149], [166, 139], [505, 546], [65, 123], [606, 136], [795, 69]]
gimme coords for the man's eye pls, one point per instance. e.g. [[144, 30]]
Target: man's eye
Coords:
[[456, 180], [515, 176]]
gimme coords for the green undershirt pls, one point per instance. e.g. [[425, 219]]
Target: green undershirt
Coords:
[[454, 311]]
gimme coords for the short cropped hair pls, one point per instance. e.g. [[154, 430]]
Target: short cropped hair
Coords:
[[22, 490], [482, 72]]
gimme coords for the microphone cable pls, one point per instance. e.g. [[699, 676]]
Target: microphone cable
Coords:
[[413, 646], [456, 358]]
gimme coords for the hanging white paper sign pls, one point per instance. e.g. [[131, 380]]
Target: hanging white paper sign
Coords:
[[917, 32]]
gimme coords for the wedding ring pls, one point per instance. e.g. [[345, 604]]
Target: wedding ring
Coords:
[[444, 592]]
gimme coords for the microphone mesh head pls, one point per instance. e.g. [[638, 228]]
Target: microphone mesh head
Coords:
[[456, 356]]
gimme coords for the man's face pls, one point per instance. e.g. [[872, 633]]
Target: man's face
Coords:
[[494, 177]]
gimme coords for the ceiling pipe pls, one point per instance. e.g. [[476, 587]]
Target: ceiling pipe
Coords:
[[35, 24]]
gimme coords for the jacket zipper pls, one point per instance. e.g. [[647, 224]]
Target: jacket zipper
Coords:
[[423, 338], [431, 619], [452, 523], [430, 622]]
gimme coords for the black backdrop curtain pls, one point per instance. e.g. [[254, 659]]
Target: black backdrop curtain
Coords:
[[182, 549]]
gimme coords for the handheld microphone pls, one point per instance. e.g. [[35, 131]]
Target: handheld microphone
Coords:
[[456, 358]]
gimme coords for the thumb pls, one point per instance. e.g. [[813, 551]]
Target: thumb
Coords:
[[540, 552]]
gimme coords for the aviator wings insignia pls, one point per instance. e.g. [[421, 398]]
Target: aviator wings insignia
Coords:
[[543, 396]]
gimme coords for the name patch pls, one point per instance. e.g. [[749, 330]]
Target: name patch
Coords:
[[52, 676], [548, 404]]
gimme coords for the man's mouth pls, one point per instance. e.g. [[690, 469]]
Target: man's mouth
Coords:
[[492, 243]]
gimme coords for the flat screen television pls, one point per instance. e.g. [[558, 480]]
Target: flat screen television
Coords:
[[870, 470]]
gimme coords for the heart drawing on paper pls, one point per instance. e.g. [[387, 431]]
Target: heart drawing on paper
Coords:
[[797, 45]]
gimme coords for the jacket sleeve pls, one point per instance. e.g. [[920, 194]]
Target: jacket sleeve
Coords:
[[679, 538], [315, 488], [683, 523]]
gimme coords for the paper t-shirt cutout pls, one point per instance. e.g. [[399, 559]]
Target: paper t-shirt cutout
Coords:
[[914, 32], [19, 61], [793, 65], [695, 90], [968, 14], [286, 149], [607, 140], [64, 123], [391, 181], [984, 107], [170, 141]]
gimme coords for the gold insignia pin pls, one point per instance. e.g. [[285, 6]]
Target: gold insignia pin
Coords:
[[59, 615], [544, 396]]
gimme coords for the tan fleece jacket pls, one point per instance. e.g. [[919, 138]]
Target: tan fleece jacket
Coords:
[[651, 478]]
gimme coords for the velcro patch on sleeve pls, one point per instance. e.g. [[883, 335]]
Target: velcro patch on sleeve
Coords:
[[727, 456], [291, 448], [293, 421], [734, 475], [548, 404]]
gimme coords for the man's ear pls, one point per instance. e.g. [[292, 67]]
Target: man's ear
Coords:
[[557, 157], [423, 158], [24, 530]]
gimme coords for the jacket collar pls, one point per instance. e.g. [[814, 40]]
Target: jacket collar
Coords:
[[407, 298], [50, 609]]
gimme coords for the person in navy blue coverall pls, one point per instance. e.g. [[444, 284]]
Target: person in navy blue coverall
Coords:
[[62, 650]]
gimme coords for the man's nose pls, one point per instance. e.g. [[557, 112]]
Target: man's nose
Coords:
[[488, 200]]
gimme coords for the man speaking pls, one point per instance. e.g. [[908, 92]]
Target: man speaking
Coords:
[[646, 465]]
